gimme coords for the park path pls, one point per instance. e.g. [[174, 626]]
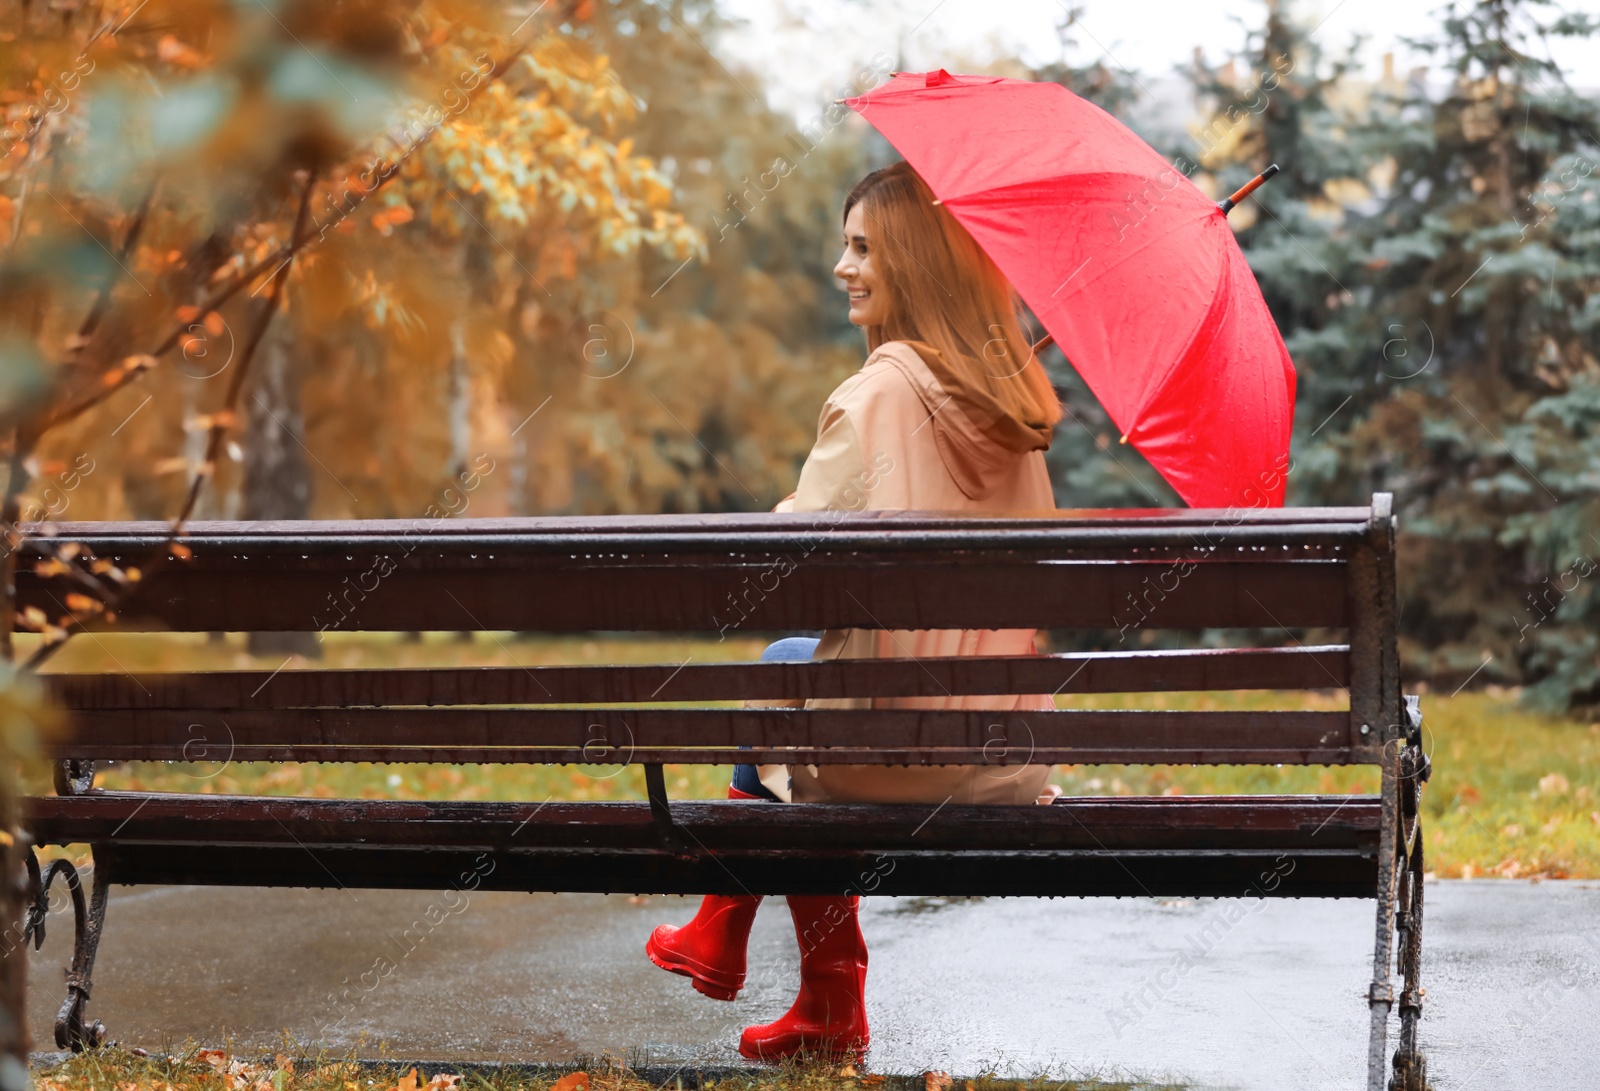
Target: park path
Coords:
[[1219, 993]]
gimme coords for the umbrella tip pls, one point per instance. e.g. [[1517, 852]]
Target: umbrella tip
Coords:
[[938, 201], [1124, 438]]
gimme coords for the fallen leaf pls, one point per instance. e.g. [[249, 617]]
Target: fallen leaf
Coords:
[[848, 1069], [936, 1081], [444, 1081], [408, 1082], [573, 1082], [1553, 784], [216, 1058]]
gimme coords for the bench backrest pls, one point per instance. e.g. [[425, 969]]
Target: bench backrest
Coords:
[[1330, 570]]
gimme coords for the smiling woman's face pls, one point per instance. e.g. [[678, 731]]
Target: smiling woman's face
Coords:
[[869, 301]]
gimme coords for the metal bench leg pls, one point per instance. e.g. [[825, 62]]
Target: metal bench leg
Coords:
[[88, 920], [1380, 995], [1410, 1066]]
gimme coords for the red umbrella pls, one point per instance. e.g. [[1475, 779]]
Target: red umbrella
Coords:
[[1133, 271]]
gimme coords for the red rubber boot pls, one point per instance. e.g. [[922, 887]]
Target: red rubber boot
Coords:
[[829, 1017], [709, 950]]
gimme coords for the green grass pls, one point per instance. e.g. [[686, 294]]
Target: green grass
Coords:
[[1513, 794]]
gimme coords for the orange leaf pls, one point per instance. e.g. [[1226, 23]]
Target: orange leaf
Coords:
[[936, 1081], [216, 1058], [177, 53], [577, 1081], [407, 1082], [81, 604]]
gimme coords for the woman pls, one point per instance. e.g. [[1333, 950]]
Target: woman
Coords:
[[952, 412]]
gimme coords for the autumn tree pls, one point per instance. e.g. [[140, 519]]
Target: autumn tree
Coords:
[[1481, 252], [340, 191]]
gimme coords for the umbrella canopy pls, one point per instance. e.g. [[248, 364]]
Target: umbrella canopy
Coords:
[[1132, 270]]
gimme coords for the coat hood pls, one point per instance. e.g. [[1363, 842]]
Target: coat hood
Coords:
[[978, 440]]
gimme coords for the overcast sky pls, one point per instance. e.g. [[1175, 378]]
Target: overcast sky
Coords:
[[809, 48]]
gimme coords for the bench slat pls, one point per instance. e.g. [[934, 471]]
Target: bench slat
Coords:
[[729, 594], [710, 736], [1219, 846], [1356, 519], [1108, 822], [1318, 667], [1082, 873], [890, 531]]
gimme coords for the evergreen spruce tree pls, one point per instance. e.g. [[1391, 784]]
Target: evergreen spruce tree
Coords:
[[1482, 255]]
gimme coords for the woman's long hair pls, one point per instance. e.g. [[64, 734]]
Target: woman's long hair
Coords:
[[945, 291]]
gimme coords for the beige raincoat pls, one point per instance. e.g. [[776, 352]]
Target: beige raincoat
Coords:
[[894, 436]]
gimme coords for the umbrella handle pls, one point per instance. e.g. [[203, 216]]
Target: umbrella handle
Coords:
[[1247, 189]]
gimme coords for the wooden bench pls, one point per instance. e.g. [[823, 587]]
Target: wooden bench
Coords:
[[1325, 573]]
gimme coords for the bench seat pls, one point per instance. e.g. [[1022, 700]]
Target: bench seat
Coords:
[[1227, 846]]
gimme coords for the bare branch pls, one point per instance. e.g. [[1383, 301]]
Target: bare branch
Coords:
[[221, 421]]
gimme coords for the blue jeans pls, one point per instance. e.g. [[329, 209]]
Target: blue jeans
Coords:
[[787, 649]]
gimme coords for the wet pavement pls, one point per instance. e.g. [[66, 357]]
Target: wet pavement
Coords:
[[1215, 993]]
